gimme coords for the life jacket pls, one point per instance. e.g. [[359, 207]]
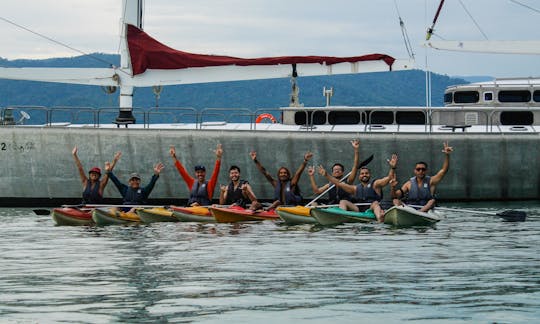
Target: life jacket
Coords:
[[199, 194], [135, 196], [419, 196], [91, 194], [292, 197], [335, 194], [367, 194], [235, 196]]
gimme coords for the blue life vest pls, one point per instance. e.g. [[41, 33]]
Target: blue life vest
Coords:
[[419, 196], [199, 194], [367, 194], [91, 194], [292, 197]]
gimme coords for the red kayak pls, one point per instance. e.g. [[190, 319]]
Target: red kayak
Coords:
[[238, 214], [72, 216]]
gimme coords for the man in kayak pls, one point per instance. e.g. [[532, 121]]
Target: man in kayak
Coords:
[[238, 192], [201, 190], [335, 194], [367, 191], [286, 191], [420, 189], [133, 193], [93, 186]]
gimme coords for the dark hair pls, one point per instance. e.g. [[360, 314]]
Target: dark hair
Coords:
[[365, 168], [339, 165], [288, 172], [234, 167], [422, 162]]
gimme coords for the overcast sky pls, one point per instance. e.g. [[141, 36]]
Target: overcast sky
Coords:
[[253, 28]]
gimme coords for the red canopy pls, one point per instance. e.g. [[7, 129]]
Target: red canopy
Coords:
[[148, 53]]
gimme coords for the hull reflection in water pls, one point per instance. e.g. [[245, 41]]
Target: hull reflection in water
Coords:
[[467, 268]]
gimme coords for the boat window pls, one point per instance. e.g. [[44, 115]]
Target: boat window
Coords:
[[382, 117], [536, 96], [488, 96], [410, 118], [514, 96], [517, 118], [344, 117], [466, 97], [304, 117], [448, 98]]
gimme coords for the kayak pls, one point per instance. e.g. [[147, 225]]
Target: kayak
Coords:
[[296, 215], [156, 214], [113, 216], [192, 214], [408, 216], [235, 214], [72, 216], [336, 215]]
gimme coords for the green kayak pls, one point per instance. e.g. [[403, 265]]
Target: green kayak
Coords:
[[110, 216], [404, 216], [296, 215], [336, 215]]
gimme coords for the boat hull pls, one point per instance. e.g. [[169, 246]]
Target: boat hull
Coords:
[[407, 216], [296, 215], [72, 217], [336, 216], [108, 216], [238, 214], [192, 214], [155, 215]]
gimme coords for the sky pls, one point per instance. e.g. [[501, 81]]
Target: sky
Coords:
[[257, 28]]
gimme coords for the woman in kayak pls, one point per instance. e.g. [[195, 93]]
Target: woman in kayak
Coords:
[[93, 185]]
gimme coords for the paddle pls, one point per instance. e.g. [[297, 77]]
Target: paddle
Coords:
[[41, 211], [362, 164], [508, 215]]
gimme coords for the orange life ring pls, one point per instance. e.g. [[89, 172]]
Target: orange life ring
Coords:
[[264, 116]]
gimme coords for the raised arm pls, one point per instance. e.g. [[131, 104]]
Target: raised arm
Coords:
[[185, 175], [356, 146], [314, 187], [307, 156], [265, 173], [446, 164], [157, 171], [345, 186], [217, 166], [78, 163], [392, 162], [109, 167]]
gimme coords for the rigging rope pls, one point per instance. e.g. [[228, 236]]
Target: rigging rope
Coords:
[[472, 18], [524, 5], [404, 33]]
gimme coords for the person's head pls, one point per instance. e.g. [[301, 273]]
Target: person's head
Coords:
[[94, 174], [337, 170], [134, 180], [420, 169], [234, 173], [200, 173], [284, 174], [365, 175]]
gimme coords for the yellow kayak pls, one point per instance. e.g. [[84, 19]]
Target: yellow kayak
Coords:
[[296, 215], [156, 214]]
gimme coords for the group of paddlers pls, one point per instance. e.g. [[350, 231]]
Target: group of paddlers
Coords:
[[417, 191]]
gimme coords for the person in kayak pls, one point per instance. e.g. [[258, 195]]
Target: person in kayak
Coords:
[[93, 185], [335, 194], [367, 191], [201, 190], [286, 190], [420, 189], [238, 192], [133, 193]]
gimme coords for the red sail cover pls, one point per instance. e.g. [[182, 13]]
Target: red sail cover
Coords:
[[148, 53]]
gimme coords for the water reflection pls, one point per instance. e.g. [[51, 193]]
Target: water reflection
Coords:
[[469, 267]]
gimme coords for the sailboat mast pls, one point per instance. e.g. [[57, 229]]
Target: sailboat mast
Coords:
[[132, 14]]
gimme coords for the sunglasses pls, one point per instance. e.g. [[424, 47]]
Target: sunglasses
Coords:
[[420, 169]]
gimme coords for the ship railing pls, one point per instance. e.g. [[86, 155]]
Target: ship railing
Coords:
[[398, 116], [173, 115], [276, 113], [209, 117]]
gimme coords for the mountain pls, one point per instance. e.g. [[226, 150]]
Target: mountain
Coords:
[[402, 88]]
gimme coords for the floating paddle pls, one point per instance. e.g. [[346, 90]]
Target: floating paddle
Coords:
[[362, 164], [508, 215], [41, 211]]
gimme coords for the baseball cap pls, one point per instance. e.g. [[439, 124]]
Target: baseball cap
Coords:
[[200, 168], [134, 175], [96, 170]]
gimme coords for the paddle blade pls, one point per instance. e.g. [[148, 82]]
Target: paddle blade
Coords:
[[41, 211], [366, 161], [513, 215]]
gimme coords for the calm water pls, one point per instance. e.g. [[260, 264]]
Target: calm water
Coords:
[[469, 268]]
